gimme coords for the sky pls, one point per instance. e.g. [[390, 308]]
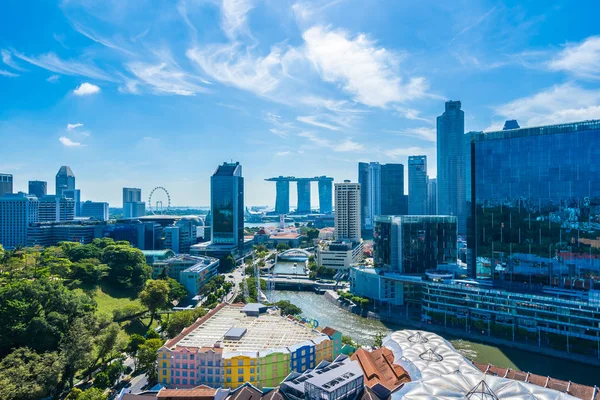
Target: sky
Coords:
[[135, 93]]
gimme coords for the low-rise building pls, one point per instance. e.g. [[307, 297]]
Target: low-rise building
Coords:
[[191, 271], [291, 239], [339, 255], [228, 347]]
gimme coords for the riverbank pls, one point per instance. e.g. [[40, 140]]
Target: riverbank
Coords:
[[459, 333], [363, 331]]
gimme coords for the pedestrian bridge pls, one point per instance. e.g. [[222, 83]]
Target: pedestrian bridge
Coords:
[[294, 255]]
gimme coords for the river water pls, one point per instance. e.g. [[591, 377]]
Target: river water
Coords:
[[363, 331]]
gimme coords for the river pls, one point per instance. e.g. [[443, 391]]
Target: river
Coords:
[[363, 331]]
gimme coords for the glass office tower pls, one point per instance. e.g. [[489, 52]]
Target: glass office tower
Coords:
[[411, 244], [65, 180], [536, 191], [393, 200], [227, 205]]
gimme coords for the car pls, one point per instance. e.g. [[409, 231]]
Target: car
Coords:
[[230, 276]]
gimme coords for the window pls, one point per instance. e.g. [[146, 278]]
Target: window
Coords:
[[251, 362], [164, 355], [210, 363], [164, 372], [240, 379], [228, 379], [185, 356], [202, 362], [185, 381], [251, 379], [192, 382], [303, 352], [164, 380], [210, 379], [177, 373], [184, 373], [228, 363], [210, 371], [178, 356], [192, 374], [164, 364], [177, 381], [240, 362], [191, 356], [185, 366], [229, 371], [202, 370], [251, 370], [240, 371]]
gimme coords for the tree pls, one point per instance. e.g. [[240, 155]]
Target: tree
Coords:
[[37, 313], [26, 375], [152, 334], [155, 296], [89, 394], [106, 343], [226, 264], [89, 270], [101, 380], [177, 291], [127, 265], [147, 356], [78, 253], [114, 370], [182, 319], [135, 341], [287, 308], [378, 340], [282, 247], [76, 349]]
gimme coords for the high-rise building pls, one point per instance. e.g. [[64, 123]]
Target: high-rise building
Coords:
[[53, 208], [95, 210], [133, 206], [227, 205], [451, 164], [38, 188], [536, 192], [369, 179], [432, 196], [282, 202], [65, 180], [6, 184], [417, 185], [393, 200], [303, 196], [74, 194], [347, 211], [325, 195], [17, 211], [412, 244]]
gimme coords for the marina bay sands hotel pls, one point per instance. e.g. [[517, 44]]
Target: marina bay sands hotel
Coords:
[[282, 201]]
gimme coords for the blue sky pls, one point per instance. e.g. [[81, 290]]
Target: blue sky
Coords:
[[148, 93]]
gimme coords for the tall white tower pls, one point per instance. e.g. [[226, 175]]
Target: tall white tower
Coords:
[[347, 211]]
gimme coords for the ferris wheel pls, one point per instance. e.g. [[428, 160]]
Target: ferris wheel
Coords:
[[159, 207]]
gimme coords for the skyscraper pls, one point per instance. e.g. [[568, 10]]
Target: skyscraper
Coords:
[[17, 211], [6, 184], [347, 211], [95, 210], [38, 188], [432, 196], [54, 208], [74, 194], [451, 163], [536, 192], [227, 205], [369, 178], [417, 185], [133, 206], [393, 200], [65, 180]]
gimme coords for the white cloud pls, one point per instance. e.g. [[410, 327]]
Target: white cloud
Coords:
[[557, 104], [362, 69], [311, 120], [473, 24], [233, 64], [283, 153], [279, 132], [164, 78], [581, 59], [347, 145], [86, 89], [53, 78], [423, 133], [234, 17], [68, 142], [8, 74], [405, 152], [7, 59], [52, 62], [70, 127]]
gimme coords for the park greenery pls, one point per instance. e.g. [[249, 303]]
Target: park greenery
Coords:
[[67, 314], [349, 297]]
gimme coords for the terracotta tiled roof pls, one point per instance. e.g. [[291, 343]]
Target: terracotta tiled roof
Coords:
[[378, 367], [197, 393], [329, 331], [574, 389]]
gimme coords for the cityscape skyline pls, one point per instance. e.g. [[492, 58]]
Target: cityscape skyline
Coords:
[[119, 113]]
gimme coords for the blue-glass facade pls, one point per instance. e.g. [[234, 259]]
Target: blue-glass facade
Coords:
[[227, 205], [393, 200], [414, 244], [534, 191]]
